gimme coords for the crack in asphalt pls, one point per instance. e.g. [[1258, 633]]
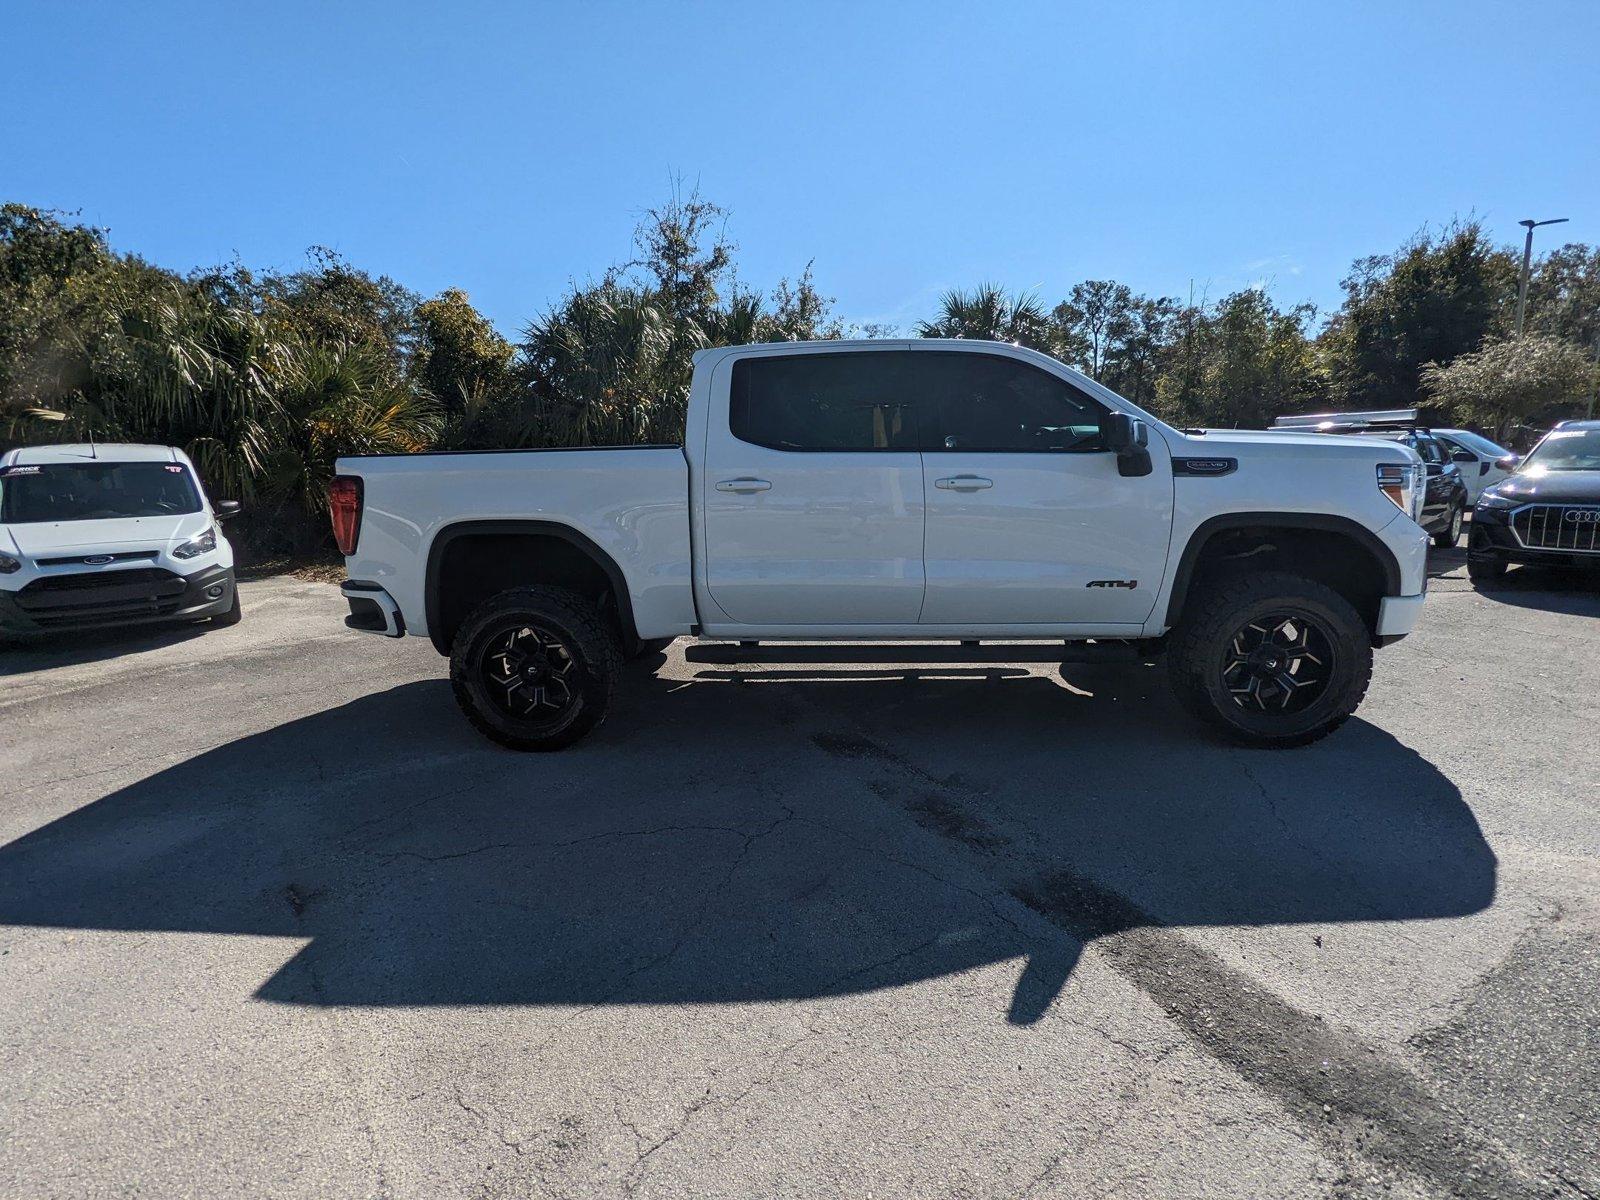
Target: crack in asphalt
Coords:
[[1335, 1083], [723, 1104]]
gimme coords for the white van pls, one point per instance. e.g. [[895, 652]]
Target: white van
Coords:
[[109, 535]]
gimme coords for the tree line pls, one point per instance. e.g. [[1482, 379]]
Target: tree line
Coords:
[[265, 378]]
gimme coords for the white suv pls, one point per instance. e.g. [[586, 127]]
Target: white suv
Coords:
[[109, 535]]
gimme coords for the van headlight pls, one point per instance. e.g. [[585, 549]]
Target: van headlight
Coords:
[[203, 543], [9, 565], [1405, 484]]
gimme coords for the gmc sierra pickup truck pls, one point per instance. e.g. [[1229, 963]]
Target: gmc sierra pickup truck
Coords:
[[897, 491]]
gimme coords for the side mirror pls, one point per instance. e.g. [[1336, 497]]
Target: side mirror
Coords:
[[223, 509], [1464, 456], [1128, 438], [1509, 463]]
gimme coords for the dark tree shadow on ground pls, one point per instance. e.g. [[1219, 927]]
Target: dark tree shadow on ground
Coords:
[[39, 651], [729, 840]]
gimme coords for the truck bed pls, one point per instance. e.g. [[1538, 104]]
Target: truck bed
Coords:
[[630, 501]]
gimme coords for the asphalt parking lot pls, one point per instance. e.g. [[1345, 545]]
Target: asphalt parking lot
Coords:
[[275, 922]]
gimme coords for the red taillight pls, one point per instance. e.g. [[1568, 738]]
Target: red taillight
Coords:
[[344, 506]]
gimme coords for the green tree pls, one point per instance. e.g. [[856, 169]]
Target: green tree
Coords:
[[1438, 297], [1511, 382], [1097, 316], [335, 303], [459, 355], [1564, 294], [989, 313]]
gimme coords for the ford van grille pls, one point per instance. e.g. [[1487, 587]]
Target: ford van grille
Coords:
[[102, 595]]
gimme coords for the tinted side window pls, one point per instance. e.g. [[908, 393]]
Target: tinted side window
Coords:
[[969, 401], [1430, 450], [844, 401]]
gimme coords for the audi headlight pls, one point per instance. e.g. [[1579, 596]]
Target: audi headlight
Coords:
[[9, 565], [203, 543], [1405, 484]]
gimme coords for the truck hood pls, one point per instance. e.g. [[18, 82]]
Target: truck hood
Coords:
[[1221, 441], [41, 539]]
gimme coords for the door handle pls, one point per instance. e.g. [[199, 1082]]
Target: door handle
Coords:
[[744, 485], [964, 483]]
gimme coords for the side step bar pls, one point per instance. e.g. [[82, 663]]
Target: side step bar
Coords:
[[1109, 650]]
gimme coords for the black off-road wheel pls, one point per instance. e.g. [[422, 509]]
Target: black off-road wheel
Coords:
[[1451, 533], [1271, 659], [535, 668]]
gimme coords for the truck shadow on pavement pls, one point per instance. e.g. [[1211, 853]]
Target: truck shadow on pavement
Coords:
[[739, 837]]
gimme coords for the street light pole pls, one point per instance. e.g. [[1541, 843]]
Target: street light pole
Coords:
[[1527, 255]]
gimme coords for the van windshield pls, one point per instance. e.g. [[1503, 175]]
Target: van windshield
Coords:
[[95, 491]]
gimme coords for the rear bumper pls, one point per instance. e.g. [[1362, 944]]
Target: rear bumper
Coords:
[[114, 599], [372, 610]]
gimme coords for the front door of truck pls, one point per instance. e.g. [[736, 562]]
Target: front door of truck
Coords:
[[1029, 521], [811, 492]]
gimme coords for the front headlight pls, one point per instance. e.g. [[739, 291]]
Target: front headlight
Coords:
[[201, 544], [9, 565], [1405, 484]]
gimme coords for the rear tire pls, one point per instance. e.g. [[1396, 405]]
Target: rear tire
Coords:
[[535, 668], [233, 615], [1271, 659], [1451, 533]]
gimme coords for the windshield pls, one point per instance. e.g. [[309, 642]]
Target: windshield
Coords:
[[1564, 450], [1475, 441], [95, 491]]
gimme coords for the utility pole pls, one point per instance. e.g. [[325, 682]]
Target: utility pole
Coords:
[[1527, 255]]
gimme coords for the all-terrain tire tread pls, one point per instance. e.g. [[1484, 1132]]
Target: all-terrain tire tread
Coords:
[[597, 645], [1219, 603]]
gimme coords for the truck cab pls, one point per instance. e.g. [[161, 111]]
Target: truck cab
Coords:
[[898, 491]]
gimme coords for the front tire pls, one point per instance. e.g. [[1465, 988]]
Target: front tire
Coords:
[[535, 668], [1451, 533], [1271, 659]]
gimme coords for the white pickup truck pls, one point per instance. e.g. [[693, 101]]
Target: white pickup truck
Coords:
[[897, 491]]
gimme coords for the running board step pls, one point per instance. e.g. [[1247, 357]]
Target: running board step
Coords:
[[1106, 651]]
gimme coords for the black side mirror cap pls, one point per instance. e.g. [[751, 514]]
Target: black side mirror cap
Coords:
[[1463, 456], [1127, 437], [223, 509], [1509, 463]]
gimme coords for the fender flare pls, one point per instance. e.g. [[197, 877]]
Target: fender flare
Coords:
[[1321, 522], [446, 536]]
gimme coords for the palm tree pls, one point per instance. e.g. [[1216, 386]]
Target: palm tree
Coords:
[[990, 313], [334, 399]]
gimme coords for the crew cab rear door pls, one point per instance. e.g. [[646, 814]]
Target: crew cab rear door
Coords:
[[1029, 521], [811, 491]]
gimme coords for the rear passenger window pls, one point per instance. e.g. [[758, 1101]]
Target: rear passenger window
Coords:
[[982, 402], [819, 402]]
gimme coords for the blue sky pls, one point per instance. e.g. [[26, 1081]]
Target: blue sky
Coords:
[[509, 148]]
